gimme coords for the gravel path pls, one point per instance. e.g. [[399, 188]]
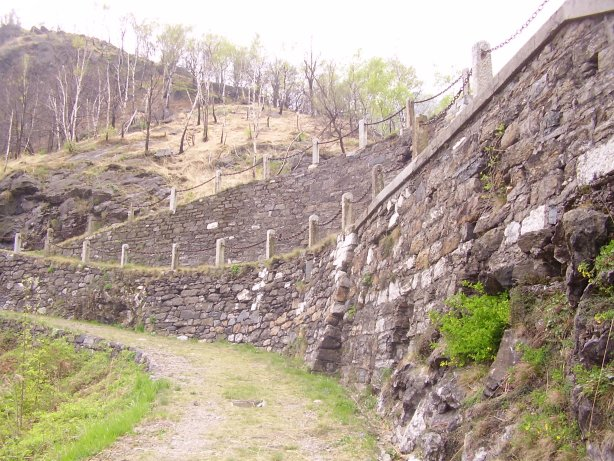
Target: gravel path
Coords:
[[202, 416]]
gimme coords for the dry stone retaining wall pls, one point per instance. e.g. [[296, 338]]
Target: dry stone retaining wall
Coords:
[[501, 202], [277, 305], [243, 214], [515, 192]]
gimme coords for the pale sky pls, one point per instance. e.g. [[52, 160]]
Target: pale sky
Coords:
[[430, 35]]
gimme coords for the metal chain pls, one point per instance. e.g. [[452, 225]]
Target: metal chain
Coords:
[[292, 155], [518, 31], [149, 205], [363, 195], [243, 171], [194, 187], [443, 113], [332, 219], [339, 138], [245, 247], [458, 79], [101, 251], [65, 248], [290, 237], [199, 248], [153, 253], [386, 119]]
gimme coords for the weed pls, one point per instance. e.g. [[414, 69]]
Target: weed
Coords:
[[474, 325], [300, 286], [388, 242], [367, 280]]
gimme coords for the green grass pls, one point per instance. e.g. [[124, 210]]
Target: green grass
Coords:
[[60, 404], [335, 400]]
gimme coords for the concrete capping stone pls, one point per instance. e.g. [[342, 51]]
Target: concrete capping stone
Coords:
[[570, 11]]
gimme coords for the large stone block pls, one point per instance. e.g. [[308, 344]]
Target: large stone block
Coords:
[[596, 163]]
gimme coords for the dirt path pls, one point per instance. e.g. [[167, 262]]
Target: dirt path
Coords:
[[200, 417]]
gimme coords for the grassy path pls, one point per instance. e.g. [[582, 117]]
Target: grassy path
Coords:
[[202, 416]]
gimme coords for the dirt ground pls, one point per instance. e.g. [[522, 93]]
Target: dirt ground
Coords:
[[229, 403]]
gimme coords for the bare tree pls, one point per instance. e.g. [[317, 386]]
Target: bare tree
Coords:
[[331, 98], [172, 43], [310, 69]]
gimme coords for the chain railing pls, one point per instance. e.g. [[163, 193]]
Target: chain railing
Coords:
[[519, 30], [441, 115], [232, 247], [390, 117]]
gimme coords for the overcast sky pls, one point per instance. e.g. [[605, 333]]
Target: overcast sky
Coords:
[[431, 35]]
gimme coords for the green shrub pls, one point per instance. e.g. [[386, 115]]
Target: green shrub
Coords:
[[474, 325], [537, 357], [603, 262]]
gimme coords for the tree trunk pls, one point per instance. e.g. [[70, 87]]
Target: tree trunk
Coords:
[[149, 100], [214, 116], [8, 144]]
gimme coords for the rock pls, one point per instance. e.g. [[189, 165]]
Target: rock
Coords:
[[511, 135], [603, 451], [22, 184], [507, 356], [585, 231]]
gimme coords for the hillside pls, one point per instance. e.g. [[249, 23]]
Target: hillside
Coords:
[[103, 174]]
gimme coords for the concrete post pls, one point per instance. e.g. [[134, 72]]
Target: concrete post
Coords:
[[482, 66], [377, 180], [220, 246], [314, 224], [174, 256], [315, 155], [17, 244], [270, 244], [48, 241], [410, 115], [173, 201], [85, 252], [362, 134], [467, 89], [420, 135], [91, 224], [131, 213], [265, 167], [124, 258], [346, 211], [218, 181]]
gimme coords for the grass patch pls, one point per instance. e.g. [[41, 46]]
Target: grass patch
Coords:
[[59, 403]]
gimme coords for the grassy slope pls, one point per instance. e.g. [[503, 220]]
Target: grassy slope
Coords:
[[305, 417], [59, 404]]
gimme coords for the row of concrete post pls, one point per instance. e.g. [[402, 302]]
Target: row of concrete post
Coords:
[[482, 77], [377, 184]]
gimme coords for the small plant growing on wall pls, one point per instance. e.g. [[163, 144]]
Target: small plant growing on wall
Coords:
[[474, 325]]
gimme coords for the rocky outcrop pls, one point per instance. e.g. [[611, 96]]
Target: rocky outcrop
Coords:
[[64, 200]]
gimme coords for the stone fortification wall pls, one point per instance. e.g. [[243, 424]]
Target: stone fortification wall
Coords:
[[505, 201], [278, 305], [517, 190], [243, 214]]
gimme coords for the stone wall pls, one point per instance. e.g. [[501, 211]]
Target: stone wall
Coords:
[[517, 190], [244, 213], [498, 202], [277, 305]]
